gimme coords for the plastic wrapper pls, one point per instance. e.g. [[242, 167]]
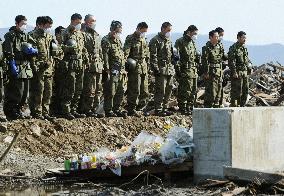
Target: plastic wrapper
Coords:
[[182, 136], [178, 146], [171, 153], [145, 146]]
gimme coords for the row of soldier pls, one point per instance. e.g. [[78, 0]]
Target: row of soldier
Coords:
[[69, 74]]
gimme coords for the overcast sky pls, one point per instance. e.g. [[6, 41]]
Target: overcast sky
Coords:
[[261, 19]]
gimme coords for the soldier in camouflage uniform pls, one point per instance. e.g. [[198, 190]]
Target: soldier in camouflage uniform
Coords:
[[221, 33], [2, 64], [92, 88], [73, 45], [136, 48], [161, 63], [3, 68], [114, 71], [39, 21], [186, 71], [41, 84], [240, 66], [212, 57], [18, 54], [59, 73]]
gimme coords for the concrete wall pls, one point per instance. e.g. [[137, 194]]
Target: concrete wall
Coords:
[[248, 138]]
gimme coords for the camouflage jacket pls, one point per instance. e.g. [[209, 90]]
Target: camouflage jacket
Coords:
[[94, 49], [77, 52], [43, 63], [212, 58], [189, 57], [113, 55], [2, 61], [161, 55], [238, 58], [136, 47], [12, 49]]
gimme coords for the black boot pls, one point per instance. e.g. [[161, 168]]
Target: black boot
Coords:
[[110, 114], [68, 116], [120, 113], [133, 113], [77, 115], [49, 118]]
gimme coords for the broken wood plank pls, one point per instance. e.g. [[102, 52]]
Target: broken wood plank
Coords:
[[248, 175], [210, 183], [279, 100], [276, 66], [125, 171]]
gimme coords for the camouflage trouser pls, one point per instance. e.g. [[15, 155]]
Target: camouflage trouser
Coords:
[[213, 90], [163, 91], [186, 92], [1, 85], [59, 73], [72, 86], [40, 94], [16, 93], [137, 91], [92, 92], [1, 90], [239, 91], [113, 93]]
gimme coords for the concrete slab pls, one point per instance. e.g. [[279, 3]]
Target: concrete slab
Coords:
[[247, 138]]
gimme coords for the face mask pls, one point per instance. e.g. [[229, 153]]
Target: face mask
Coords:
[[143, 34], [48, 30], [78, 27], [221, 38], [194, 37], [118, 35], [93, 25], [23, 27], [168, 34]]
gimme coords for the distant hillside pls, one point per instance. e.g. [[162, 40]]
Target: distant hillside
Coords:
[[3, 31]]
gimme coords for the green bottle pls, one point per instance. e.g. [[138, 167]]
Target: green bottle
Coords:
[[67, 164]]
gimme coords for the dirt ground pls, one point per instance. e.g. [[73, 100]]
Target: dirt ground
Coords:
[[44, 145]]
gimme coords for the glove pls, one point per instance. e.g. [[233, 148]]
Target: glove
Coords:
[[31, 51], [156, 73], [106, 76], [116, 69], [14, 68], [178, 74]]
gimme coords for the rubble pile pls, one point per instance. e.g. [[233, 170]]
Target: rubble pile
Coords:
[[266, 86]]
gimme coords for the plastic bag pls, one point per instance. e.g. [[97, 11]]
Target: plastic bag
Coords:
[[116, 167], [172, 153], [145, 139], [182, 136], [145, 146], [178, 145]]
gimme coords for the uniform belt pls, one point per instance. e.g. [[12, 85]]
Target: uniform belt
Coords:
[[140, 61], [215, 65], [73, 57], [241, 67], [188, 65], [165, 62], [19, 62]]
